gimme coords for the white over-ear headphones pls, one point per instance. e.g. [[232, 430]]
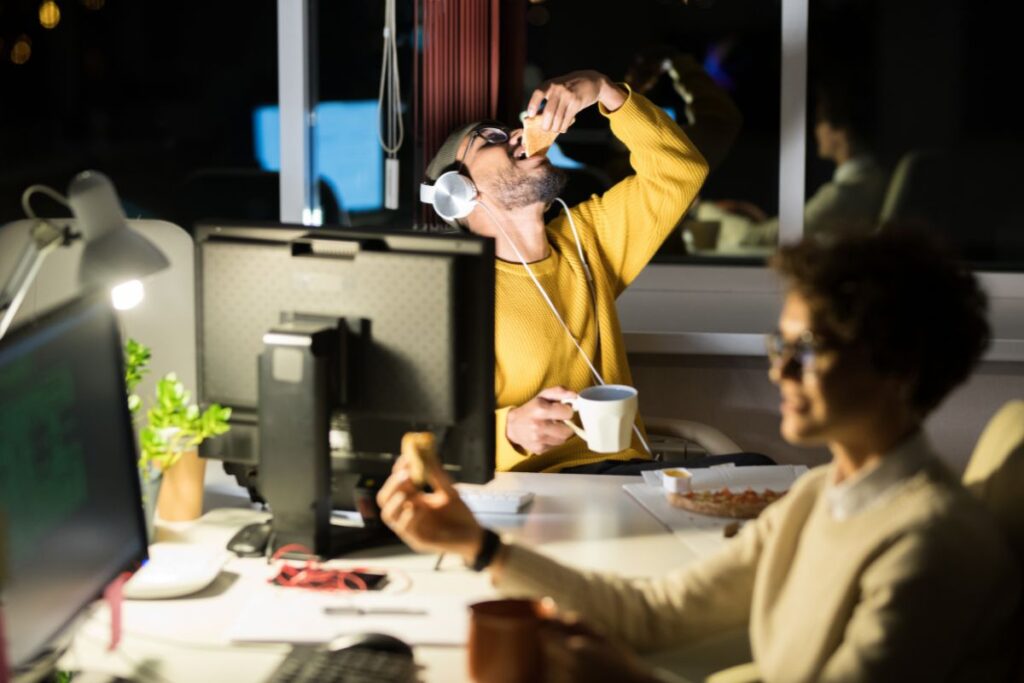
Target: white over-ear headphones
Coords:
[[452, 195]]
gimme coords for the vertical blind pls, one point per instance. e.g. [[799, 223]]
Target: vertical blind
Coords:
[[470, 67]]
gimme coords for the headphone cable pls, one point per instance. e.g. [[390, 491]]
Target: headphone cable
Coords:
[[551, 305]]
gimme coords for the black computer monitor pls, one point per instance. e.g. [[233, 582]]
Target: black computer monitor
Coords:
[[414, 314], [69, 486]]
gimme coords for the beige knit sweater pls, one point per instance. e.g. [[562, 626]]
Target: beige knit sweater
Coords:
[[920, 587]]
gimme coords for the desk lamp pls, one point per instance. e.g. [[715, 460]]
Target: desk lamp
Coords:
[[113, 254]]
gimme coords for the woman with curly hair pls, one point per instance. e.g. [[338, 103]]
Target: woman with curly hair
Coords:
[[878, 566]]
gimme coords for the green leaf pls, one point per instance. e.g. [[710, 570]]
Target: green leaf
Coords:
[[152, 446], [173, 424], [136, 358]]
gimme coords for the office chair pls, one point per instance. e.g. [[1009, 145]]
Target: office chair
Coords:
[[963, 195], [920, 190], [995, 474], [671, 438]]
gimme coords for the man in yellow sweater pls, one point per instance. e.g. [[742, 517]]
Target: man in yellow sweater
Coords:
[[537, 363], [877, 567]]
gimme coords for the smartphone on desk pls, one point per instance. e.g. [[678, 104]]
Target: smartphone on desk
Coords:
[[373, 581]]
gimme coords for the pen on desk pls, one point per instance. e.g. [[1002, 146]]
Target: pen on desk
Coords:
[[337, 610]]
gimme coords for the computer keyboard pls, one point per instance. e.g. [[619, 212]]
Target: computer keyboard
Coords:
[[489, 502], [305, 664]]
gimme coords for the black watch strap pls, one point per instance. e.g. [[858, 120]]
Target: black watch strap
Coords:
[[488, 549]]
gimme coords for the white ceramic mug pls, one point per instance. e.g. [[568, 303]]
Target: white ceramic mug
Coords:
[[607, 413]]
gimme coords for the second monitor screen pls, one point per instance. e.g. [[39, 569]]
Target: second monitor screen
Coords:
[[420, 310]]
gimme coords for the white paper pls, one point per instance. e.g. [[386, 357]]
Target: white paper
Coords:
[[295, 615]]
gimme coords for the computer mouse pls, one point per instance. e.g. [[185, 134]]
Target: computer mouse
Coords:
[[251, 540], [373, 641]]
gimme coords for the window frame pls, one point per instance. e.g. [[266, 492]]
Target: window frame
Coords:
[[671, 308]]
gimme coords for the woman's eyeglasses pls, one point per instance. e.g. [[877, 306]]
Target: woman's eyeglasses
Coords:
[[802, 351]]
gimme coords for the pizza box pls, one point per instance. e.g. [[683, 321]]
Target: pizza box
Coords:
[[758, 478]]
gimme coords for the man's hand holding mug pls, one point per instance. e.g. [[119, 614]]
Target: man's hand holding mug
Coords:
[[607, 412]]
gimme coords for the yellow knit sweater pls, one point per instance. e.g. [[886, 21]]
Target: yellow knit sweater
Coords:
[[620, 232]]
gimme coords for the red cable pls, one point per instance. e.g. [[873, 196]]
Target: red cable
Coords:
[[312, 575]]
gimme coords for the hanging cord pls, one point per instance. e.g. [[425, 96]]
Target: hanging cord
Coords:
[[390, 131], [551, 305]]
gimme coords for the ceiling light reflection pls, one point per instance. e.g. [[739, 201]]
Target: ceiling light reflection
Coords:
[[49, 14]]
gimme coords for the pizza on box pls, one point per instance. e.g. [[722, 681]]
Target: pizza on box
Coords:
[[727, 490], [722, 502]]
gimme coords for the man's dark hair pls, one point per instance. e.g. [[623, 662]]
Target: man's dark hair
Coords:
[[846, 106], [901, 297], [447, 156]]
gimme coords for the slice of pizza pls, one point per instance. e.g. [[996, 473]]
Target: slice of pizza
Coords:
[[536, 140], [724, 503], [419, 449]]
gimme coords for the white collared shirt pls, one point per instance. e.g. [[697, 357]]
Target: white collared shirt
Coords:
[[873, 485], [855, 170]]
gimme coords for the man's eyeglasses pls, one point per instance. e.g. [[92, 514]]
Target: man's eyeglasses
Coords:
[[491, 135], [802, 351]]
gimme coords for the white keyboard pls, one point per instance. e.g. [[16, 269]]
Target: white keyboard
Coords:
[[493, 501]]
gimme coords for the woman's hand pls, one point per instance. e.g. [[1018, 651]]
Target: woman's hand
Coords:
[[568, 95], [429, 522]]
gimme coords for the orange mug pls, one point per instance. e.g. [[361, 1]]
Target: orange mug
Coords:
[[505, 641]]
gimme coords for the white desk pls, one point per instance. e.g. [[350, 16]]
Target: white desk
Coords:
[[582, 520]]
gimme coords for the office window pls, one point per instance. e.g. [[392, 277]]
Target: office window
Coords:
[[926, 92], [350, 160], [348, 53], [158, 95], [737, 44]]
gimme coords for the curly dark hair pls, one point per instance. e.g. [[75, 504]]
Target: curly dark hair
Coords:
[[902, 297]]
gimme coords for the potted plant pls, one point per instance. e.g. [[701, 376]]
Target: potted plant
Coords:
[[170, 467]]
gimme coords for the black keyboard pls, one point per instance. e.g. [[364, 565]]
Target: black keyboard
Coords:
[[348, 665]]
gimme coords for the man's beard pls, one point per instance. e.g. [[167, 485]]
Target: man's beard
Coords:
[[519, 189]]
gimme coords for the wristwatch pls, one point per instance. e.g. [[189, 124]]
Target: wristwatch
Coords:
[[488, 550]]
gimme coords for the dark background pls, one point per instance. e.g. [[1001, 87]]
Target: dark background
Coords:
[[152, 92]]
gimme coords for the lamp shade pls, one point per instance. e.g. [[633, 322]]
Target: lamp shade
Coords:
[[113, 253]]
